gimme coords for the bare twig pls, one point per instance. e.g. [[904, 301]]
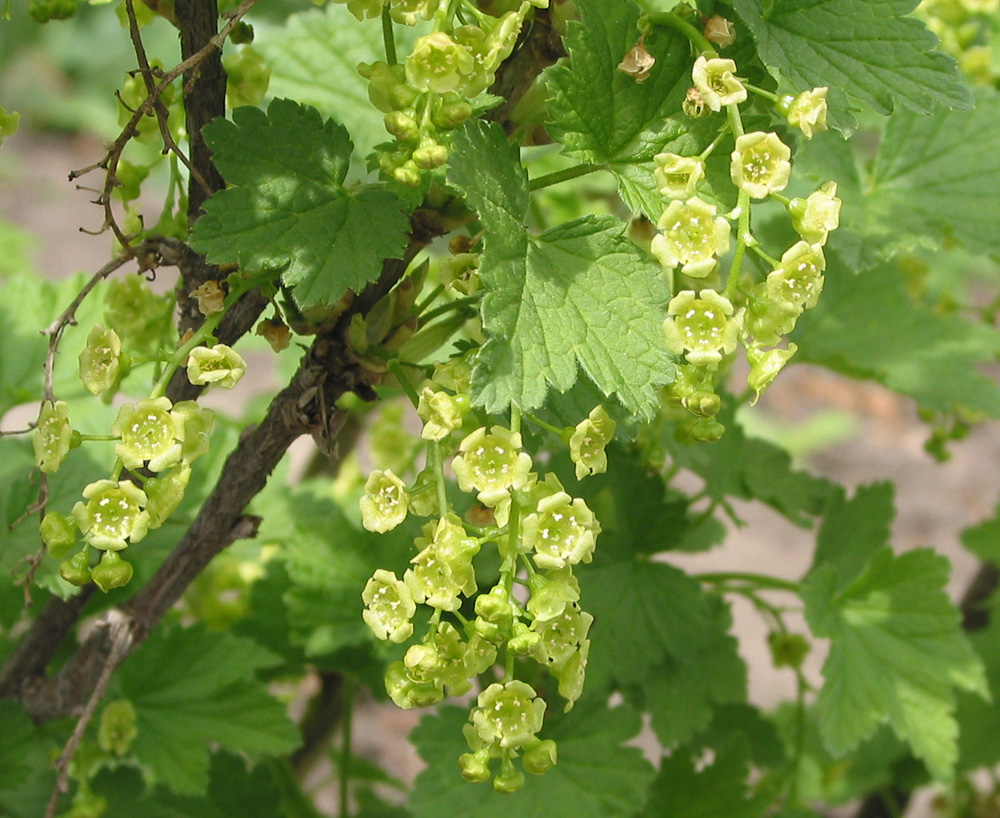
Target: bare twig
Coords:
[[120, 637], [147, 73], [110, 161]]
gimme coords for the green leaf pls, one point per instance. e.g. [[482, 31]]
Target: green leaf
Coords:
[[932, 181], [867, 326], [979, 720], [896, 654], [595, 775], [28, 306], [853, 530], [287, 208], [866, 51], [192, 688], [603, 116], [682, 790], [983, 539], [314, 59], [751, 468], [17, 737], [579, 294], [656, 629], [329, 559]]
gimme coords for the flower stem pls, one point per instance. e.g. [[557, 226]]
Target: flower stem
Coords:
[[563, 175], [437, 463], [388, 37], [667, 18], [396, 368], [759, 580]]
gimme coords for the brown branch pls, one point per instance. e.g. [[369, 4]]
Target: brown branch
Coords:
[[120, 637], [307, 405]]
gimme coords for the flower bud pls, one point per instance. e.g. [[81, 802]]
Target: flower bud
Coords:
[[111, 572]]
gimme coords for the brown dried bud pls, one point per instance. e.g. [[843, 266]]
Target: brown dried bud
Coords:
[[720, 31], [694, 106], [210, 297], [637, 63], [276, 332]]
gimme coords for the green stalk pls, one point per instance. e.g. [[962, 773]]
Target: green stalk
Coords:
[[388, 37], [671, 20], [762, 581], [396, 369], [563, 175]]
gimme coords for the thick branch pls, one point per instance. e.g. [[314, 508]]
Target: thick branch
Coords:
[[306, 405]]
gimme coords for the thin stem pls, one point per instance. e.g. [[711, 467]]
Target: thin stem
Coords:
[[742, 235], [715, 143], [396, 368], [762, 581], [761, 92], [437, 463], [98, 438], [671, 20], [768, 258], [563, 175], [542, 424], [388, 37], [347, 703], [451, 306], [425, 303]]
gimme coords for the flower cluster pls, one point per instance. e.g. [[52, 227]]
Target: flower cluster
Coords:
[[540, 532], [439, 85], [704, 325]]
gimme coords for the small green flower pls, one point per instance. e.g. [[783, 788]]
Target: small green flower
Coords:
[[76, 569], [588, 441], [407, 691], [59, 533], [765, 366], [491, 464], [508, 779], [551, 593], [677, 176], [508, 715], [475, 767], [562, 636], [691, 236], [8, 123], [164, 494], [198, 423], [117, 729], [799, 279], [561, 531], [102, 363], [150, 434], [216, 365], [138, 315], [389, 607], [439, 64], [768, 316], [443, 569], [814, 217], [441, 413], [572, 675], [807, 111], [364, 9], [703, 328], [111, 572], [760, 164], [114, 512], [539, 756], [384, 503], [53, 437], [715, 81]]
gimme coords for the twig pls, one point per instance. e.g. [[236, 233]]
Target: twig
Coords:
[[110, 161], [119, 633], [159, 108]]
